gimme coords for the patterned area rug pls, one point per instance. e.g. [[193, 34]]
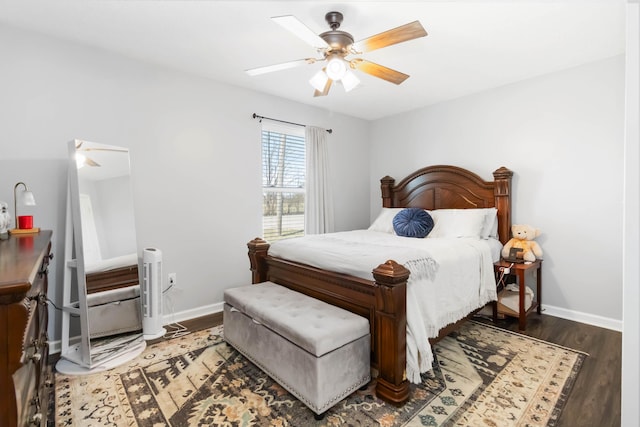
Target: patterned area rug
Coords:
[[482, 376]]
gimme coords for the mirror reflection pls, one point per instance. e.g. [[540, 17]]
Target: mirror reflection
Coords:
[[110, 254], [106, 212], [105, 257]]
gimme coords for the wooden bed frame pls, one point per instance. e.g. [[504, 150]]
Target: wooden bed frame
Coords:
[[383, 299], [115, 278]]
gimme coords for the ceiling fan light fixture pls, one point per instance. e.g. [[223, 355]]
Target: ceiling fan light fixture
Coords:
[[335, 46], [350, 81], [319, 80], [336, 68]]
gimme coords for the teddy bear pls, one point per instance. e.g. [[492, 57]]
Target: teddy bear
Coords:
[[523, 238]]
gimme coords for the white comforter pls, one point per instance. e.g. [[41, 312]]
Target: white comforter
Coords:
[[111, 263], [449, 277]]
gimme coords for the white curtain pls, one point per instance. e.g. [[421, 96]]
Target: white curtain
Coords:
[[319, 201]]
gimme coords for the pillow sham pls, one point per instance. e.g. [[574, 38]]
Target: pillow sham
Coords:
[[458, 223], [384, 222], [490, 227], [412, 222]]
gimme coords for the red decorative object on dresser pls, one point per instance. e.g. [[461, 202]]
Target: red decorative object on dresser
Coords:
[[382, 299], [24, 346]]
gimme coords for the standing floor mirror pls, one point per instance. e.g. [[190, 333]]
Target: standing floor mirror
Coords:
[[101, 317]]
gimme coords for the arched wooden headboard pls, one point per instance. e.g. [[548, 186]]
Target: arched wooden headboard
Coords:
[[452, 187]]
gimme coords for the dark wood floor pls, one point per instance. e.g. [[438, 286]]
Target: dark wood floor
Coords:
[[596, 395]]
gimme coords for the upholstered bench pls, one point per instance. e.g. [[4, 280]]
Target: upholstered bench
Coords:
[[114, 312], [317, 351]]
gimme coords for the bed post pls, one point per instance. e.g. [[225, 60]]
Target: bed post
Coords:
[[391, 330], [502, 192], [258, 249], [386, 184]]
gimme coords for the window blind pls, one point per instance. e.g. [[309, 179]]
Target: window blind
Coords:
[[283, 184]]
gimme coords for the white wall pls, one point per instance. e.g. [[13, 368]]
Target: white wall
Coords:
[[562, 134], [195, 155], [195, 158]]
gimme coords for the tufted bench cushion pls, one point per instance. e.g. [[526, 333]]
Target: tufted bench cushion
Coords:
[[312, 324], [317, 351]]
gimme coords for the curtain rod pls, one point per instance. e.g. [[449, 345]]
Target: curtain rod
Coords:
[[255, 116]]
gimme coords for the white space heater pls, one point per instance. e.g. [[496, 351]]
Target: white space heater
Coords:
[[151, 294]]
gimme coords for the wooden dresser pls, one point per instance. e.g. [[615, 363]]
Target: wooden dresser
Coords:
[[24, 348]]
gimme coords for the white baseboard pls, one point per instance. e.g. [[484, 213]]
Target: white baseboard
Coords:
[[167, 319], [577, 316], [193, 313]]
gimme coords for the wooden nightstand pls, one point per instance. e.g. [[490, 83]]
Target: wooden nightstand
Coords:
[[519, 270]]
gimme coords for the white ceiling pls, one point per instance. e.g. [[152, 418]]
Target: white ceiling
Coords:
[[471, 46]]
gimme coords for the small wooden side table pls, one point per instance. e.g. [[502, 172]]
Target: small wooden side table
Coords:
[[519, 270]]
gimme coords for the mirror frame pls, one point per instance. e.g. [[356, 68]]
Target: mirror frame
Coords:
[[77, 358]]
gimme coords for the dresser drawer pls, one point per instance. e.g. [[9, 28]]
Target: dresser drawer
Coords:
[[35, 348], [44, 372], [39, 284], [31, 377], [31, 333], [27, 400], [24, 373]]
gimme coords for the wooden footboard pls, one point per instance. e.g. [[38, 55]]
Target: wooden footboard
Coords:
[[382, 301], [112, 279]]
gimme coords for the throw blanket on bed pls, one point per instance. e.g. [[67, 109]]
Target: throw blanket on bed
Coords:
[[449, 277]]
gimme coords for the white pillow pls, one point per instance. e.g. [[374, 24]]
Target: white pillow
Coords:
[[384, 222], [458, 223], [490, 227], [482, 223]]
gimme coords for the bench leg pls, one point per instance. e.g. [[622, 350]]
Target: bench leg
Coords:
[[319, 417]]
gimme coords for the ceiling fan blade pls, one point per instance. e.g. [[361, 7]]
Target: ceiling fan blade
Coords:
[[298, 29], [79, 145], [90, 162], [325, 91], [279, 67], [106, 149], [410, 31], [379, 71]]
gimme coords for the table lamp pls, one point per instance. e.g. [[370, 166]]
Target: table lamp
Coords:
[[24, 223]]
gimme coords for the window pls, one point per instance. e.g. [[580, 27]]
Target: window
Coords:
[[283, 182]]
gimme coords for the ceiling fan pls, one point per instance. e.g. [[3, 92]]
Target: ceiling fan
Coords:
[[83, 160], [336, 46]]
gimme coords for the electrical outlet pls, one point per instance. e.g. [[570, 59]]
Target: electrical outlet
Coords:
[[172, 279]]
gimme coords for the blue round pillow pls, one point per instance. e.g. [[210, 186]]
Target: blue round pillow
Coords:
[[413, 222]]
